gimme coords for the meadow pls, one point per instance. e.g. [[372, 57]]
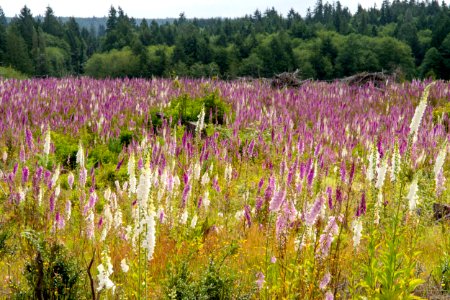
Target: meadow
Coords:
[[206, 189]]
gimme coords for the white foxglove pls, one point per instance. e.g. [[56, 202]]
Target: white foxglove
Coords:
[[123, 265], [381, 174], [440, 162], [418, 114], [80, 155], [413, 198], [357, 231], [47, 142], [105, 269], [194, 221]]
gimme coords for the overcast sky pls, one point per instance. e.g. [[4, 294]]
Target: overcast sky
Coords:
[[168, 8]]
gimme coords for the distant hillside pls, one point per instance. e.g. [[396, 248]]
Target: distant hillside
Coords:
[[96, 22]]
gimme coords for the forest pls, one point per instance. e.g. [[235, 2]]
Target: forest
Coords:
[[410, 38]]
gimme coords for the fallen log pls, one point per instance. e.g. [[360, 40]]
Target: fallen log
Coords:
[[287, 79], [441, 211], [378, 79]]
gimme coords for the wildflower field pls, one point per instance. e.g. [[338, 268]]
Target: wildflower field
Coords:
[[205, 189]]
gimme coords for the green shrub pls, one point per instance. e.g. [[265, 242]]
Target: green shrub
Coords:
[[439, 112], [8, 72], [126, 137], [107, 175], [186, 109], [50, 273], [213, 283], [4, 235], [180, 284], [443, 273], [101, 155], [66, 149]]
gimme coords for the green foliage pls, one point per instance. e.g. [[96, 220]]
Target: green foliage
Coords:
[[431, 64], [16, 51], [252, 65], [107, 175], [50, 272], [187, 109], [101, 155], [58, 61], [445, 53], [8, 72], [124, 140], [66, 148], [276, 54], [180, 284], [4, 236], [116, 63], [213, 283], [441, 114], [442, 274]]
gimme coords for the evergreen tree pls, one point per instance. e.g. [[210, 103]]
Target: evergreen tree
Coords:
[[51, 24], [140, 51], [441, 28], [2, 37], [385, 13], [110, 39], [16, 50], [144, 33], [39, 54], [444, 51], [26, 26], [431, 65], [77, 46], [407, 32]]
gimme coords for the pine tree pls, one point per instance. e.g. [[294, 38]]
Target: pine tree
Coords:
[[51, 24], [2, 37], [16, 51]]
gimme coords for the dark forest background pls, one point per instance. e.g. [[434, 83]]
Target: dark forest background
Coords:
[[410, 38]]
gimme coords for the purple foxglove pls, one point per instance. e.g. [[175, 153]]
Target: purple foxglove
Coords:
[[277, 200], [311, 216], [260, 280], [29, 139], [330, 198], [325, 281], [70, 180], [52, 202], [25, 174]]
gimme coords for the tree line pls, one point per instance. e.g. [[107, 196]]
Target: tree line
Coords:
[[411, 38]]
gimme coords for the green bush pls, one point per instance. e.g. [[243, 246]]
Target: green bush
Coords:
[[66, 149], [107, 175], [442, 274], [213, 283], [180, 284], [8, 72], [116, 63], [186, 109], [438, 115], [101, 155], [50, 273]]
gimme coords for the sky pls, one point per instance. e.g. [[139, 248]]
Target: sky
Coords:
[[152, 9]]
